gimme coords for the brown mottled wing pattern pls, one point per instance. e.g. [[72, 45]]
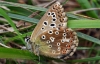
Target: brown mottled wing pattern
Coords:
[[54, 17], [62, 43], [51, 37]]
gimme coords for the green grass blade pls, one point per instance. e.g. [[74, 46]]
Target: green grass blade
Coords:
[[76, 16], [85, 60], [84, 23], [3, 13], [89, 38], [71, 23], [10, 53], [4, 3], [86, 5], [20, 17]]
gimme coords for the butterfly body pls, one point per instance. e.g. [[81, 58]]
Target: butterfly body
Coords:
[[51, 37]]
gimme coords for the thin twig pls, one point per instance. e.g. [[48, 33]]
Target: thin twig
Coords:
[[35, 13], [84, 10], [4, 45]]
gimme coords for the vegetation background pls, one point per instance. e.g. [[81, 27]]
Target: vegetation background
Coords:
[[18, 19]]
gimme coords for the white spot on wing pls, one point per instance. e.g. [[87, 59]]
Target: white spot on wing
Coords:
[[64, 34], [48, 41], [63, 13], [64, 24], [45, 23], [57, 32], [54, 19], [58, 44], [50, 32], [67, 51], [50, 46], [49, 14], [76, 43], [64, 30], [74, 49], [60, 6], [52, 39], [65, 19], [43, 37], [42, 28], [71, 53], [52, 25], [66, 40], [62, 40]]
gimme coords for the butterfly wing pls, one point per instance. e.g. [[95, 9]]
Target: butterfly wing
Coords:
[[51, 37], [54, 17], [59, 44]]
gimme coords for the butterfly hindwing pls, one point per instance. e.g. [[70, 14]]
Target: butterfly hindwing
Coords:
[[60, 43]]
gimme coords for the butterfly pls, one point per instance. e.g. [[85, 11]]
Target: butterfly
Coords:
[[51, 37]]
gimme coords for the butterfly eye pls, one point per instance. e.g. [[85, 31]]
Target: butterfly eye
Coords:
[[27, 39]]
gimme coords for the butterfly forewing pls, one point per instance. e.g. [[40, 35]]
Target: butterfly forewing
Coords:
[[54, 17], [52, 36]]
